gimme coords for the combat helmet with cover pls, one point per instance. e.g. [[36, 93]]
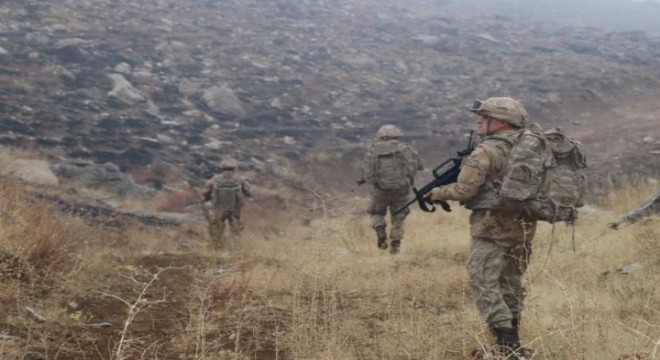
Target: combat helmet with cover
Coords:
[[228, 164], [389, 131], [502, 108], [389, 164]]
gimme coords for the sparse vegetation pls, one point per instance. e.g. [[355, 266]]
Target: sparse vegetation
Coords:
[[319, 290]]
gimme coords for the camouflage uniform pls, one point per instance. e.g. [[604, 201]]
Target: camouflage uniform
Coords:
[[227, 192], [501, 239], [392, 197]]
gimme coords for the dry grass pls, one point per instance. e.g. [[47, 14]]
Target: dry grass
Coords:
[[315, 291]]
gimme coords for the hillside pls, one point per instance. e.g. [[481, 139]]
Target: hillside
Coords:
[[132, 104], [71, 290], [297, 87]]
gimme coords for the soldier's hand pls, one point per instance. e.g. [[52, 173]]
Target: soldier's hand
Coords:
[[433, 194]]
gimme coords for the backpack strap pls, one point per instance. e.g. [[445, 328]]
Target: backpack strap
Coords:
[[500, 138]]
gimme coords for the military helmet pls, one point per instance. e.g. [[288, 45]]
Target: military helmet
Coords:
[[502, 108], [228, 164], [389, 131]]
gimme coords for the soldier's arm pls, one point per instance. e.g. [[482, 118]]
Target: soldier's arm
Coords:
[[246, 187], [208, 189], [366, 166], [418, 159], [474, 170]]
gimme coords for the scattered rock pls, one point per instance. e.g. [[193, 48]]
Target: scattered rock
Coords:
[[105, 176], [629, 269], [31, 171], [101, 325], [5, 337], [222, 100], [34, 355], [124, 91], [35, 315]]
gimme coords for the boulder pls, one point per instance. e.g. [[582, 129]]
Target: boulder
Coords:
[[31, 171], [223, 100], [124, 90], [102, 176]]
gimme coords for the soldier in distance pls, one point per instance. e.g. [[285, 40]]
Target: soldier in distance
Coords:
[[226, 192], [390, 167]]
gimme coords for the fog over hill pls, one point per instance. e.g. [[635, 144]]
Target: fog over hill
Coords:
[[294, 88], [610, 15]]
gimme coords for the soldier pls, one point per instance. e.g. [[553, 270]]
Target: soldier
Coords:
[[227, 193], [501, 239], [390, 167]]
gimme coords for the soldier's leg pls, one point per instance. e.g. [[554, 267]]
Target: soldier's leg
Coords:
[[396, 233], [377, 210], [511, 283], [236, 227], [486, 263], [217, 230]]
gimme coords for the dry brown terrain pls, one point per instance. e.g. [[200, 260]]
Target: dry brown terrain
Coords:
[[319, 291], [305, 84]]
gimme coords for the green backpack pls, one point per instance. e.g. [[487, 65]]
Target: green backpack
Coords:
[[390, 166], [544, 175], [227, 193]]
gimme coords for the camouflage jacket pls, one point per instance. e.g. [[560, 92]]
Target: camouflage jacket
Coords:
[[481, 171], [481, 175]]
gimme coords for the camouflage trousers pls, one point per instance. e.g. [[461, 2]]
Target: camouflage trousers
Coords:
[[381, 200], [496, 270], [217, 226]]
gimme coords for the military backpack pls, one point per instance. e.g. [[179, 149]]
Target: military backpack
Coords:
[[389, 165], [544, 175], [227, 193]]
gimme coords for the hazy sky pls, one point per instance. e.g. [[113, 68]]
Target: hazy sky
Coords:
[[619, 15]]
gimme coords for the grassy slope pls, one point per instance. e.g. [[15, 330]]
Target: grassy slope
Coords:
[[313, 292]]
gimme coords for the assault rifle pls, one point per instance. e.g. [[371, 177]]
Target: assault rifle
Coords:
[[443, 174]]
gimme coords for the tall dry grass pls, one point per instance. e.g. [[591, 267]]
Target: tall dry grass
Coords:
[[314, 290], [348, 300]]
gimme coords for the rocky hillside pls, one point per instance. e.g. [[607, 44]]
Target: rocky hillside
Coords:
[[293, 86]]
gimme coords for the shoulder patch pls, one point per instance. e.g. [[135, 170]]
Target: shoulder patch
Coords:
[[471, 162]]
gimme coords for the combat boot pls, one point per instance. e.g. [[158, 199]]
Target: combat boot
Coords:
[[382, 237], [516, 324], [394, 247], [508, 343]]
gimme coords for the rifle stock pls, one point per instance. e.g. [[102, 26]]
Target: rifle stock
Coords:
[[443, 174]]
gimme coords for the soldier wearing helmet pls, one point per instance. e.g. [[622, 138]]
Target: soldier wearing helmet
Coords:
[[226, 193], [390, 167], [501, 238]]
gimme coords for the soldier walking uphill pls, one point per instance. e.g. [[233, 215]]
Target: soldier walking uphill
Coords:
[[227, 192], [501, 238], [390, 167]]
